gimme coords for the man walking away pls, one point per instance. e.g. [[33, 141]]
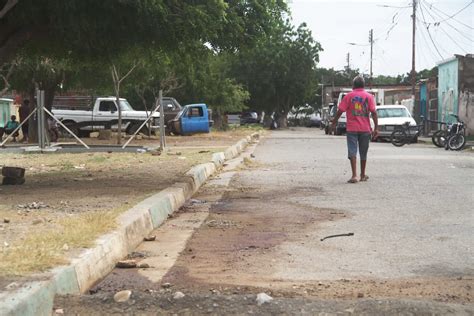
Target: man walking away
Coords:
[[358, 105], [24, 111]]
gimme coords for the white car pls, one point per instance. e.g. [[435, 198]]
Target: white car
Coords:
[[391, 117]]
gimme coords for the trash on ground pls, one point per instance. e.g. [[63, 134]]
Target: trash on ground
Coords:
[[150, 238], [126, 264], [178, 295], [338, 235], [122, 296], [263, 298]]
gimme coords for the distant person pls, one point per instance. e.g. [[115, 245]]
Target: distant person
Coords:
[[11, 126], [24, 111], [358, 105], [53, 130]]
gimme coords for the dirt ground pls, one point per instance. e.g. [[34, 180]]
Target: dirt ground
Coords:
[[230, 259], [238, 256], [64, 186]]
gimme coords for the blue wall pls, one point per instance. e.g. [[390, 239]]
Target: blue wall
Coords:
[[448, 91], [423, 100]]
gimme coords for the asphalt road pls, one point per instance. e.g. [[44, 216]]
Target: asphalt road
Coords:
[[411, 251]]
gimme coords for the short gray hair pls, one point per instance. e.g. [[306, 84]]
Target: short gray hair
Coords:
[[358, 82]]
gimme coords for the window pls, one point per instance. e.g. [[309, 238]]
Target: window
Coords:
[[125, 106], [393, 112], [195, 112], [168, 105], [107, 106]]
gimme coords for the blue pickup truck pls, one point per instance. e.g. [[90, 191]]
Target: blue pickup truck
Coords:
[[192, 119]]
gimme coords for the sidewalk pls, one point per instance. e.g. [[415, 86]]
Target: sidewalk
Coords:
[[427, 140]]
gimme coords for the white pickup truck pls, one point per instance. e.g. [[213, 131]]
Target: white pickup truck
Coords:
[[86, 114]]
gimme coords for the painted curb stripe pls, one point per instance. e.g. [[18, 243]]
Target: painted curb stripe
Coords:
[[93, 264]]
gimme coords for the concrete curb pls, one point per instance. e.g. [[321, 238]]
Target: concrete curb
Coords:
[[36, 298]]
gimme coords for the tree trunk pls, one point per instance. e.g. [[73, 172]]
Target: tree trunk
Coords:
[[219, 122], [283, 120], [267, 120], [119, 124]]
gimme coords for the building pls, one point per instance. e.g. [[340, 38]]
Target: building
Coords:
[[428, 101], [456, 90], [386, 93]]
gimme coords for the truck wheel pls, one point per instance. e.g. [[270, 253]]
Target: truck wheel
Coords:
[[134, 127], [72, 126], [86, 134]]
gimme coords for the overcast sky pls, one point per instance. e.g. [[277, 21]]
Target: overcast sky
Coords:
[[337, 23]]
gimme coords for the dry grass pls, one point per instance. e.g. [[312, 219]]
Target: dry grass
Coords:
[[249, 163], [35, 248], [45, 249]]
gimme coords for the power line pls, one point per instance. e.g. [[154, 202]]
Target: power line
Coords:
[[452, 39], [428, 30], [394, 23], [393, 6], [452, 16], [436, 24], [449, 36], [420, 50], [356, 44], [425, 40], [432, 7]]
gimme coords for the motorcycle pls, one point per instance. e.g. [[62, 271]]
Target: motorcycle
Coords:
[[456, 138]]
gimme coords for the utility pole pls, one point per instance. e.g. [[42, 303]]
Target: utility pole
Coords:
[[322, 92], [413, 71], [371, 41], [348, 67]]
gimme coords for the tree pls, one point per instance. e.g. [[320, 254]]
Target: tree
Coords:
[[5, 73], [221, 92], [280, 71], [95, 29], [118, 77], [39, 72]]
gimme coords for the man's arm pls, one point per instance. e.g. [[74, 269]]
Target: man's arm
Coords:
[[338, 115], [375, 132]]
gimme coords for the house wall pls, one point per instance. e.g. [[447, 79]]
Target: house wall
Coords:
[[423, 99], [448, 94], [466, 92], [388, 94], [6, 110]]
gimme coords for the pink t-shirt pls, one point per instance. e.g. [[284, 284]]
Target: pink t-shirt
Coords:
[[358, 104]]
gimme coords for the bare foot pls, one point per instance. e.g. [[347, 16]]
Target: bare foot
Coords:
[[364, 177], [352, 180]]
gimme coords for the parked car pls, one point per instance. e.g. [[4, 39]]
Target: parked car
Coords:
[[171, 109], [300, 116], [83, 115], [314, 120], [249, 118], [391, 117], [192, 119]]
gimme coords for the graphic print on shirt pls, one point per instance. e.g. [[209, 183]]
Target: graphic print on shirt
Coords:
[[360, 107]]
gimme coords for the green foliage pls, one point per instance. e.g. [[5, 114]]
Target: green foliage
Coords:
[[221, 92], [101, 29], [230, 54], [280, 71]]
